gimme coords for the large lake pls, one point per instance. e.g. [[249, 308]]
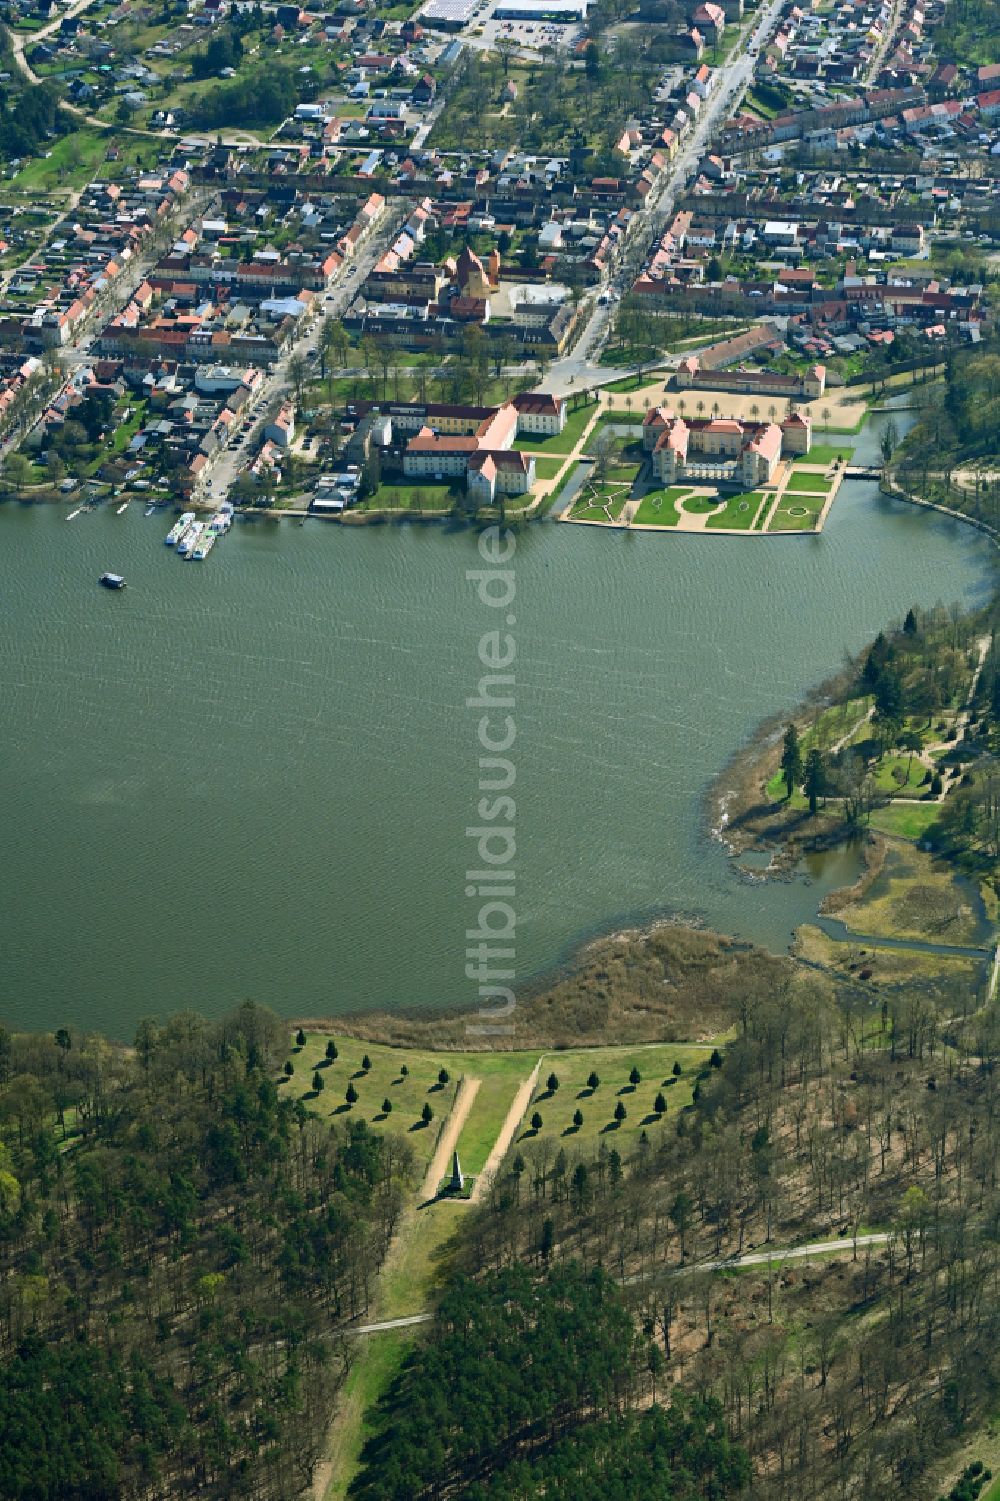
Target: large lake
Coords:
[[253, 776]]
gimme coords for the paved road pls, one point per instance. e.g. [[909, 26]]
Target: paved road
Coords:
[[579, 368], [413, 1318], [237, 454], [787, 1253], [723, 1264]]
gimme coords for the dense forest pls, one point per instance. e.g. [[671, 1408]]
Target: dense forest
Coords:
[[950, 455], [854, 1375], [29, 114], [180, 1250], [911, 728], [259, 100], [542, 1387]]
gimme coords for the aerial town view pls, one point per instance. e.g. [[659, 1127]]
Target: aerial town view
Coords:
[[500, 966]]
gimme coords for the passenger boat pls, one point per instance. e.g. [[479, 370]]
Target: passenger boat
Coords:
[[112, 581], [220, 522], [189, 541], [204, 545], [178, 529]]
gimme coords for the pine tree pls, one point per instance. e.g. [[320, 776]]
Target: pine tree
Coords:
[[791, 760], [815, 782], [317, 1081]]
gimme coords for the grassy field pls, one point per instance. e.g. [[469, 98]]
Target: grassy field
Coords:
[[548, 468], [902, 775], [636, 382], [802, 481], [740, 511], [828, 453], [72, 161], [416, 498], [563, 442], [602, 505], [659, 507], [410, 1090], [374, 1368], [916, 898], [891, 966], [407, 1092], [597, 1106], [905, 820], [796, 513]]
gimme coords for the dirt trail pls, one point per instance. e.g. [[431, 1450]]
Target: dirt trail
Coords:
[[512, 1120], [346, 1413], [441, 1161]]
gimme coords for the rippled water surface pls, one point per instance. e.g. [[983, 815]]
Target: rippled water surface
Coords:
[[253, 776]]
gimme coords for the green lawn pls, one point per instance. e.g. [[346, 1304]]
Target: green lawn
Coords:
[[500, 1072], [563, 442], [408, 497], [739, 511], [814, 484], [73, 161], [613, 1067], [828, 453], [907, 820], [378, 1361], [837, 722], [602, 505], [797, 513], [650, 375], [548, 468], [659, 507], [902, 775]]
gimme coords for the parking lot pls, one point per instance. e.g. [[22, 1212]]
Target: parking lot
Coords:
[[531, 35]]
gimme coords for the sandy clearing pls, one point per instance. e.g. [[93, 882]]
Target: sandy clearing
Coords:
[[512, 1120]]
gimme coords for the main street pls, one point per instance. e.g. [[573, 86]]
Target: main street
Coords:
[[277, 382], [580, 368]]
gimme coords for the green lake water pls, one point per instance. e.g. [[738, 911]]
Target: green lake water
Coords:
[[253, 776]]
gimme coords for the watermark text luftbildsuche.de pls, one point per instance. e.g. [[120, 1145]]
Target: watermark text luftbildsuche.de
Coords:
[[491, 879]]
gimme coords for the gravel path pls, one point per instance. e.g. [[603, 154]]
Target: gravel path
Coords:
[[441, 1161], [512, 1120]]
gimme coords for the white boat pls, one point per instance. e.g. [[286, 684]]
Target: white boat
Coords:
[[178, 529], [220, 522], [189, 541], [204, 545]]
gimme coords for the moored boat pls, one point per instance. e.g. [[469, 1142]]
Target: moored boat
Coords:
[[204, 545], [178, 529], [189, 540], [112, 581]]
